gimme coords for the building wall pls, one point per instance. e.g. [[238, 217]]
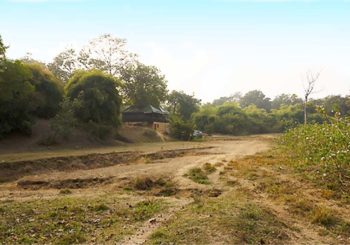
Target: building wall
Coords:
[[161, 127]]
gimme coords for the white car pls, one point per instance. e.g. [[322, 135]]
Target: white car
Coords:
[[197, 133]]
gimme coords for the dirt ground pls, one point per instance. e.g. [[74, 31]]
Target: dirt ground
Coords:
[[170, 159], [103, 171]]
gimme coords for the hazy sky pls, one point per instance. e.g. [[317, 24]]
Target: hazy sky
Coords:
[[211, 48]]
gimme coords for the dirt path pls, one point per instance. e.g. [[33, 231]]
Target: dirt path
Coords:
[[173, 166], [170, 161]]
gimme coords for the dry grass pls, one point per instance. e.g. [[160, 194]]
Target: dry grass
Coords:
[[230, 219], [67, 220], [270, 173]]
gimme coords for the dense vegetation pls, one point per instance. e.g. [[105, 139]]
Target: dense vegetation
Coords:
[[322, 151], [89, 87]]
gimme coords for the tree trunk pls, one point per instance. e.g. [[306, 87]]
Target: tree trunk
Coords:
[[305, 112]]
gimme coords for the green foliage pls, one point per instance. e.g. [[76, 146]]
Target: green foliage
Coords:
[[198, 176], [182, 105], [323, 150], [64, 122], [230, 118], [143, 85], [145, 209], [97, 97], [181, 129], [2, 55], [256, 97], [48, 91], [98, 131], [16, 94], [285, 100]]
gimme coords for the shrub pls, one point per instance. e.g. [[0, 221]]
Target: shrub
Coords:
[[48, 91], [99, 131], [180, 129], [64, 122], [98, 97], [16, 95], [323, 150]]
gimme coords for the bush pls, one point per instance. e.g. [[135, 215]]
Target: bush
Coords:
[[48, 91], [180, 129], [98, 99], [16, 94], [64, 122], [99, 131], [323, 150]]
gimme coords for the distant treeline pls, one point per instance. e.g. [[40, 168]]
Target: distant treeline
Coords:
[[88, 89], [255, 113]]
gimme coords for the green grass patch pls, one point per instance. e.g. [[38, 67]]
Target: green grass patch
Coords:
[[228, 219], [197, 175], [69, 220]]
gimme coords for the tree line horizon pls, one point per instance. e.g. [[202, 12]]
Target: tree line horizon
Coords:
[[89, 87]]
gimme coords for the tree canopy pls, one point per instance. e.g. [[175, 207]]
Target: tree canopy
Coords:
[[182, 104], [256, 97], [16, 96], [2, 54], [48, 91], [144, 85], [96, 96], [105, 53]]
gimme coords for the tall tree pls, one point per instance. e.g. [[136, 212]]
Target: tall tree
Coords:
[[256, 97], [232, 98], [105, 53], [182, 104], [64, 64], [144, 85], [285, 99]]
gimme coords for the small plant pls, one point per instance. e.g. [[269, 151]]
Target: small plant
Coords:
[[146, 209], [209, 168], [101, 207], [143, 184], [323, 216], [198, 176], [65, 192]]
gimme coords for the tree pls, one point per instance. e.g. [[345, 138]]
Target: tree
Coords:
[[311, 79], [16, 93], [180, 129], [64, 64], [144, 85], [96, 96], [182, 104], [232, 98], [285, 99], [48, 91], [2, 54], [105, 53], [256, 97]]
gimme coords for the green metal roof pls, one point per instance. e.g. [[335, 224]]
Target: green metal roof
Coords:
[[146, 109]]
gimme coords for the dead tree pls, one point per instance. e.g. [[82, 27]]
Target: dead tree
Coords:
[[311, 79]]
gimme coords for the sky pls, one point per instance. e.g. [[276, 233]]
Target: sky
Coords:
[[209, 48]]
